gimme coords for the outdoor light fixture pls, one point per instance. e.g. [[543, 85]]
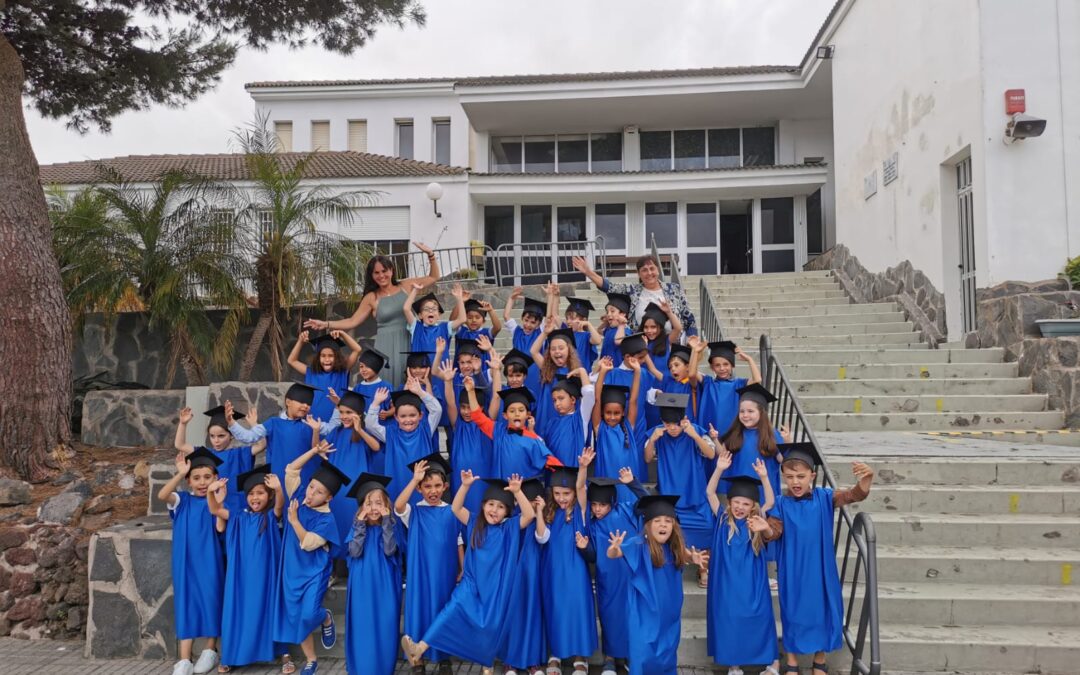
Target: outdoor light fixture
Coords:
[[825, 51], [1023, 126], [434, 192]]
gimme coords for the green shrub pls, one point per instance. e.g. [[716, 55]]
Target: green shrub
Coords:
[[1072, 271]]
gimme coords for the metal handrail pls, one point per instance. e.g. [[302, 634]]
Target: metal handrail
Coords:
[[675, 270], [459, 263], [656, 256], [859, 527], [708, 320], [526, 263]]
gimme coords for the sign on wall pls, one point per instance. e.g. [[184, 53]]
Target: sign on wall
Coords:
[[889, 170], [870, 185], [1015, 101]]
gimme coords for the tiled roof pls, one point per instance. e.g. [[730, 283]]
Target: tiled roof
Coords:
[[555, 78], [336, 164], [672, 172]]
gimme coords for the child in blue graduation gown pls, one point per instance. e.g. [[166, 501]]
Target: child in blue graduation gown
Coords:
[[407, 436], [352, 447], [719, 404], [198, 564], [234, 461], [287, 436], [569, 608], [516, 448], [435, 548], [422, 317], [616, 317], [328, 368], [609, 514], [373, 596], [741, 627], [525, 334], [751, 437], [586, 338], [613, 417], [471, 449], [369, 367], [681, 450], [811, 605], [654, 602], [475, 313], [253, 548], [524, 648], [472, 624], [310, 535], [623, 375], [558, 358], [571, 405], [418, 367], [681, 376], [655, 321]]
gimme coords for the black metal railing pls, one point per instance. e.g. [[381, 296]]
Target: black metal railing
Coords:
[[529, 263], [460, 263], [856, 530], [708, 320], [672, 274]]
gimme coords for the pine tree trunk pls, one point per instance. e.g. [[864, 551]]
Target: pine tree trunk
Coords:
[[35, 327]]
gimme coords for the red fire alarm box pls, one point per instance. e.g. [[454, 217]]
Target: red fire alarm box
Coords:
[[1015, 101]]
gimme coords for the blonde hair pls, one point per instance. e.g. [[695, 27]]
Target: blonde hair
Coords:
[[551, 507], [549, 369], [756, 541]]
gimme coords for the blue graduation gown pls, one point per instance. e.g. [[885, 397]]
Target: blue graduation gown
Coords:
[[617, 447], [672, 386], [652, 413], [680, 470], [322, 408], [545, 407], [433, 566], [585, 350], [402, 449], [565, 436], [352, 458], [609, 348], [235, 461], [613, 579], [198, 569], [516, 453], [811, 604], [524, 342], [654, 610], [742, 463], [471, 450], [719, 403], [285, 441], [303, 579], [424, 337], [376, 460], [569, 609], [253, 547], [472, 623], [741, 627], [524, 644], [373, 607], [625, 377]]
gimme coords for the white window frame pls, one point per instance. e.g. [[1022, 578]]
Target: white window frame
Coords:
[[521, 143], [348, 134], [436, 122], [398, 125], [671, 144]]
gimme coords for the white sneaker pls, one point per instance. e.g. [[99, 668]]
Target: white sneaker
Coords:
[[183, 667], [734, 670], [207, 662]]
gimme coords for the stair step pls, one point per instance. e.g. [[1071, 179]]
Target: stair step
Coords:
[[898, 339], [959, 604], [770, 295], [855, 355], [1016, 649], [925, 403], [935, 563], [782, 311], [973, 471], [783, 303], [789, 282], [1032, 530], [798, 286], [1049, 419], [800, 274], [912, 386], [889, 371], [822, 328], [729, 322], [973, 499]]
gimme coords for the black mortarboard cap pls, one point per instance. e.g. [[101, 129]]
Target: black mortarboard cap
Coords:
[[519, 357], [672, 406], [563, 476], [756, 393], [633, 344], [496, 489], [682, 351], [534, 307], [435, 463], [803, 452], [620, 301], [614, 393], [724, 349], [602, 490], [426, 298], [366, 483], [473, 306], [467, 346], [517, 395], [326, 340], [652, 506], [564, 333], [373, 358], [217, 416], [203, 457], [354, 402], [405, 397], [580, 306], [571, 385], [744, 486], [654, 312], [250, 479], [532, 487], [481, 395], [417, 359], [301, 393], [331, 477]]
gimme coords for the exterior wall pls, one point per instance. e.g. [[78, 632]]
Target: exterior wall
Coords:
[[799, 139]]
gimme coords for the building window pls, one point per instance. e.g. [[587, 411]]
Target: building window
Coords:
[[358, 135], [535, 224], [611, 225], [759, 146], [662, 225], [605, 152], [320, 135], [655, 150], [690, 150], [498, 225], [574, 154], [539, 154], [441, 132], [725, 148], [405, 139], [777, 221], [815, 224], [283, 132], [569, 153], [266, 224], [506, 155]]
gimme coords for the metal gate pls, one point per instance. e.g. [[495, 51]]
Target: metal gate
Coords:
[[966, 218]]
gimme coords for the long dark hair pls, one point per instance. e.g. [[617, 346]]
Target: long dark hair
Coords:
[[369, 272], [265, 513], [340, 363], [658, 346], [733, 439]]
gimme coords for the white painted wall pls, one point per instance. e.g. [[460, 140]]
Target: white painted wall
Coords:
[[799, 139]]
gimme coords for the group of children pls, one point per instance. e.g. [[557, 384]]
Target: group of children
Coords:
[[560, 537]]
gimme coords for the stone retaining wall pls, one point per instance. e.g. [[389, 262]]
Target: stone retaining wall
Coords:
[[43, 581], [923, 304], [131, 417]]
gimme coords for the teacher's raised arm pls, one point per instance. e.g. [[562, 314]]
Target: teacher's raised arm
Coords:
[[582, 265]]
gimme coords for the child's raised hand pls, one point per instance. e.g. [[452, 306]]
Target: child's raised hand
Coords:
[[447, 372], [606, 364], [467, 477], [412, 384], [229, 410], [514, 484], [760, 470], [757, 524], [486, 307], [457, 292], [626, 475], [313, 423], [530, 423], [468, 383], [272, 481], [516, 293], [620, 320], [304, 336], [336, 334], [440, 344], [186, 415], [252, 417], [581, 540], [785, 433], [387, 414], [381, 394], [699, 558], [742, 356], [586, 457], [656, 433], [324, 448], [615, 539], [419, 471], [665, 306], [332, 395], [686, 426], [698, 344], [538, 503], [183, 466], [217, 485], [416, 287], [495, 361], [483, 342], [713, 433], [632, 363], [863, 473], [294, 508], [723, 459]]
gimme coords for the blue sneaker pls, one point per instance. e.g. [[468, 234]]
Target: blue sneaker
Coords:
[[329, 633], [310, 668]]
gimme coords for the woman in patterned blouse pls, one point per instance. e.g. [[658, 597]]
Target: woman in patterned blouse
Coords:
[[651, 289]]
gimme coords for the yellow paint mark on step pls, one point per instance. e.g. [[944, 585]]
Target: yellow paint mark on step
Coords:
[[924, 372], [1014, 503], [858, 405], [939, 404], [842, 373], [1066, 574]]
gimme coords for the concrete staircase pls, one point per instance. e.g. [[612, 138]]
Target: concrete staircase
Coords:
[[862, 367]]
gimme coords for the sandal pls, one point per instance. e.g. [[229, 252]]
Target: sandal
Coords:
[[554, 667], [224, 669], [288, 667], [703, 578], [823, 667], [770, 670], [788, 668]]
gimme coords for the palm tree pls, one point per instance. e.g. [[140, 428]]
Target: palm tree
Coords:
[[294, 261], [163, 249]]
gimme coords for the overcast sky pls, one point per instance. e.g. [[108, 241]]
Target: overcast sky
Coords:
[[472, 37]]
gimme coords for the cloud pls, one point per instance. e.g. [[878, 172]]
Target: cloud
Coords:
[[471, 37]]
